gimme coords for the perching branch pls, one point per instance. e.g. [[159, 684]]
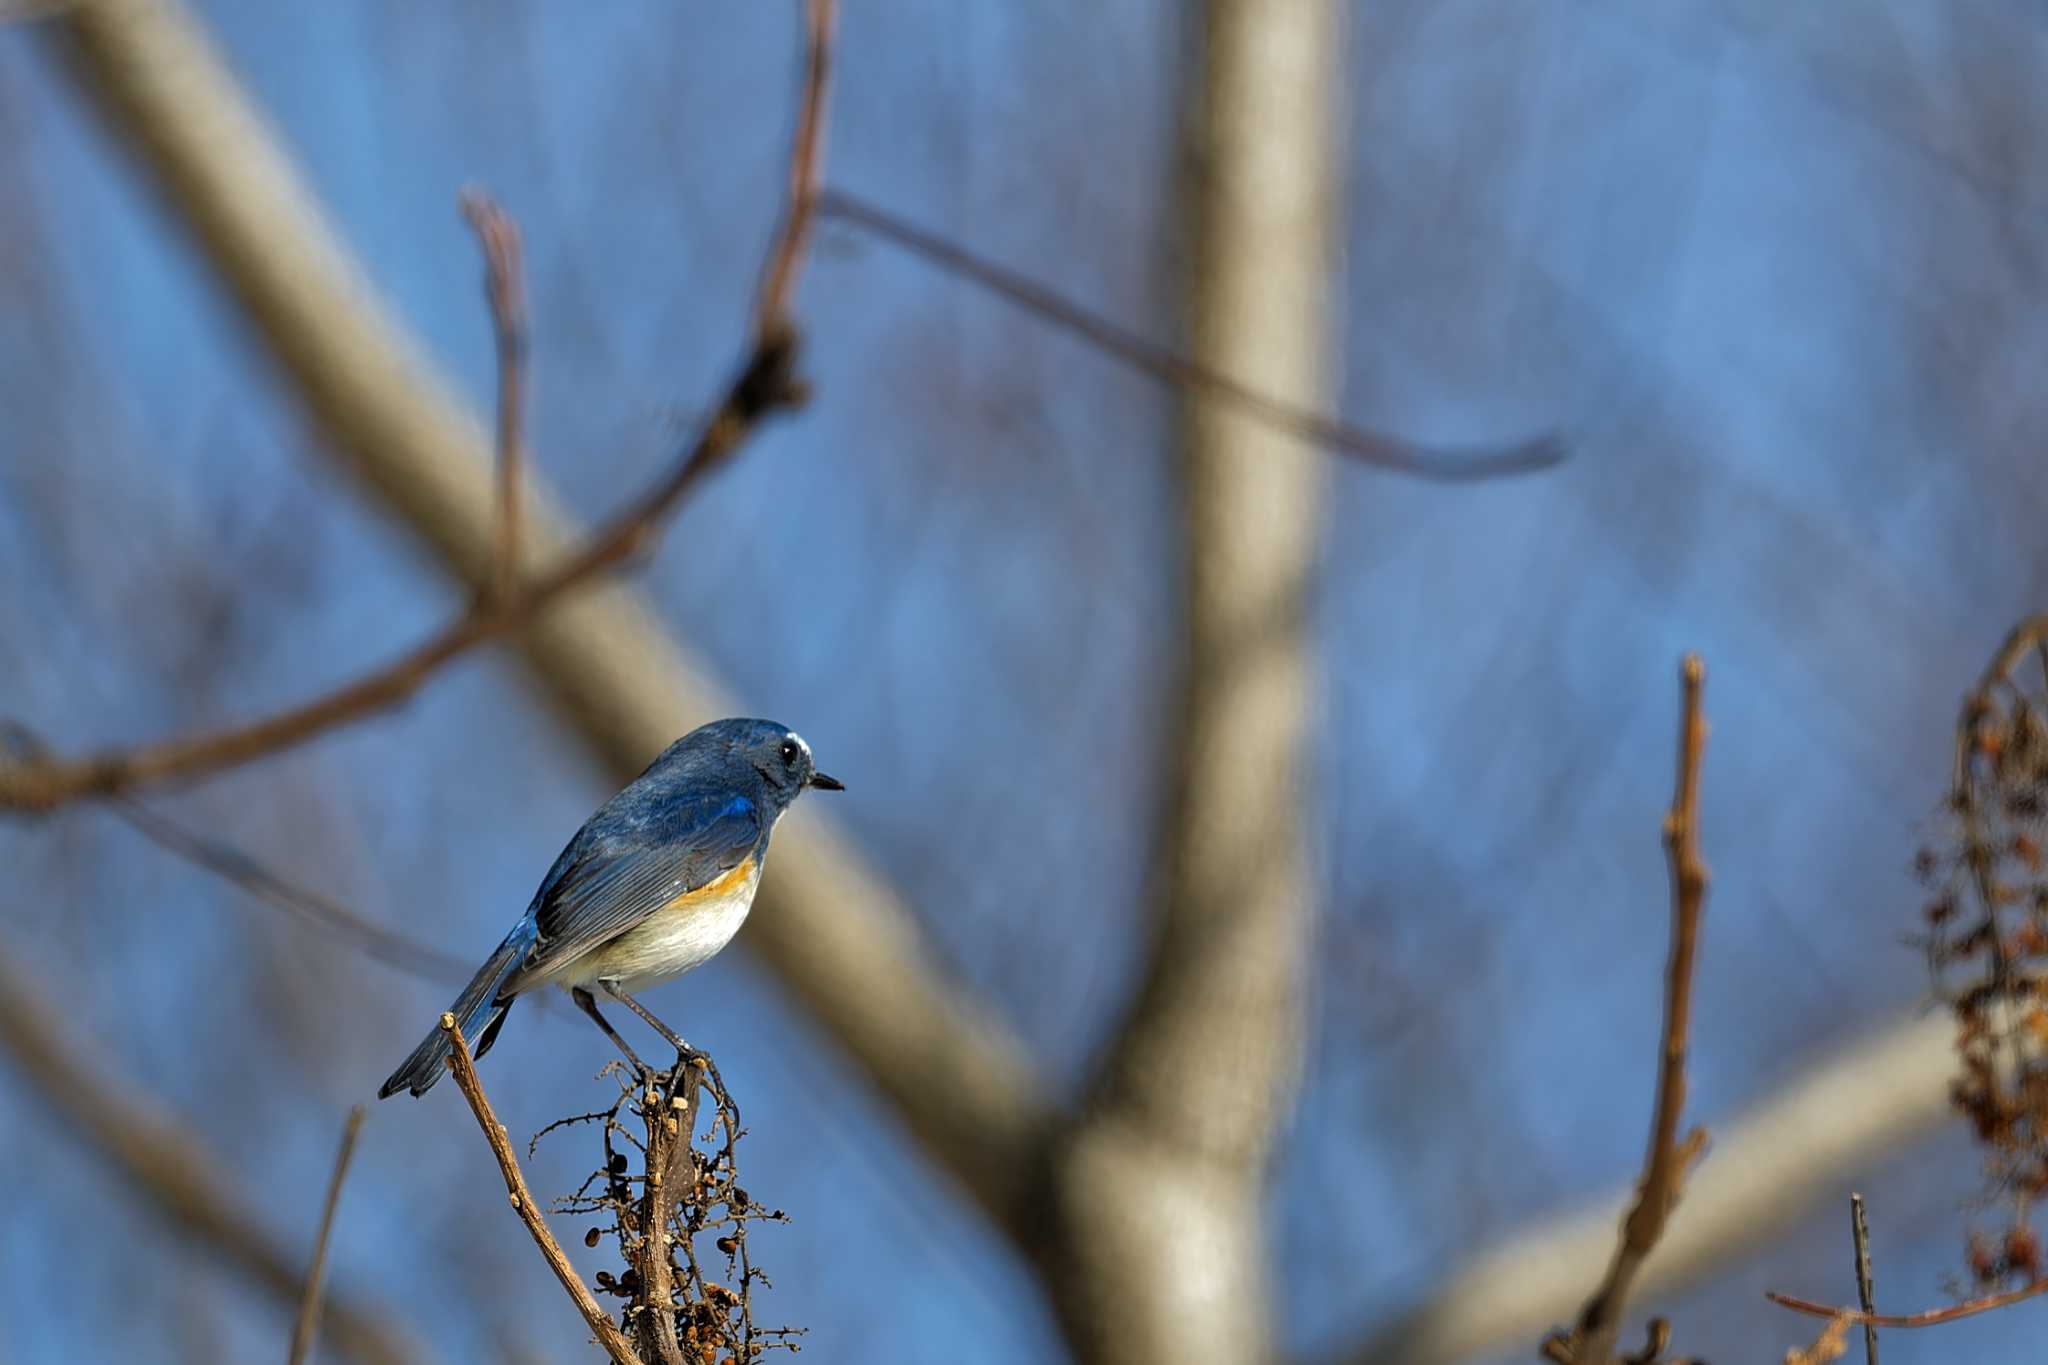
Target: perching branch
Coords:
[[307, 1328], [1447, 464], [170, 1165], [505, 288], [601, 1325], [1591, 1341]]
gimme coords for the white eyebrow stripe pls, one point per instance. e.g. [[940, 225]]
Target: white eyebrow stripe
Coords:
[[800, 743]]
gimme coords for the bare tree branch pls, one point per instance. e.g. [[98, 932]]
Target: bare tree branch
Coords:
[[307, 1329], [505, 288], [826, 920], [1771, 1167], [601, 1326], [1449, 464], [1591, 1340], [170, 1166]]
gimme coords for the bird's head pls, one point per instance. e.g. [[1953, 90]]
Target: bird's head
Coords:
[[778, 753]]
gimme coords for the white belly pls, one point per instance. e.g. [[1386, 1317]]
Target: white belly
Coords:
[[667, 943]]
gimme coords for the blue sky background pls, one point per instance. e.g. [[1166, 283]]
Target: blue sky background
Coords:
[[1775, 271]]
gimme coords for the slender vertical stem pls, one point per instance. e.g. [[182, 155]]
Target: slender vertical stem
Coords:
[[308, 1326], [505, 287], [1864, 1294]]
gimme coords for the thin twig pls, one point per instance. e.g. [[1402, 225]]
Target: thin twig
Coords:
[[806, 167], [601, 1325], [394, 949], [308, 1326], [20, 744], [1865, 1291], [1450, 464], [505, 288], [171, 1166], [1591, 1342], [1932, 1317], [765, 385]]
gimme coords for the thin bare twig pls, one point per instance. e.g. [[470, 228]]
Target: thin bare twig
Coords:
[[388, 946], [307, 1327], [1865, 1291], [765, 385], [171, 1166], [505, 288], [20, 744], [601, 1325], [1591, 1341], [1932, 1317], [1449, 464], [806, 167]]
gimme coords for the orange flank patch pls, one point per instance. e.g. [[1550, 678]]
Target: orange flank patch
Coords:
[[718, 887]]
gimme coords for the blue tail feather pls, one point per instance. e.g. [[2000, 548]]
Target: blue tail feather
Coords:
[[479, 1010]]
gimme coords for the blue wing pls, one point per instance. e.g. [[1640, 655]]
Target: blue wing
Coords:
[[616, 873]]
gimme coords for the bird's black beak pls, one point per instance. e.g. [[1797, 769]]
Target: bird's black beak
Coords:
[[830, 784]]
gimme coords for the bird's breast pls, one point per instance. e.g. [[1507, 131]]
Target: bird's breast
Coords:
[[685, 933]]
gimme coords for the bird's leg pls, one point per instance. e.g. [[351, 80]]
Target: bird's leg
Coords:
[[586, 1002], [685, 1054], [668, 1034]]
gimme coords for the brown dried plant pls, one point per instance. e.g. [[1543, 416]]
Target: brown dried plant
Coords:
[[1986, 939], [659, 1199]]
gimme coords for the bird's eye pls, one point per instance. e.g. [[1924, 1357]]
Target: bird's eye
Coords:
[[789, 752]]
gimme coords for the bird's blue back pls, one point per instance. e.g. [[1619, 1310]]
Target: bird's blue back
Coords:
[[698, 812]]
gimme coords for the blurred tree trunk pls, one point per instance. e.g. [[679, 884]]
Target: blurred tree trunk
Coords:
[[1163, 1249]]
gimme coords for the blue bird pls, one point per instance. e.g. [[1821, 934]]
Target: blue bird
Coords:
[[655, 883]]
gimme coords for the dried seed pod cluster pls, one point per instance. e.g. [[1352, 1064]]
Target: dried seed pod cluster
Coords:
[[1985, 932], [655, 1195]]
